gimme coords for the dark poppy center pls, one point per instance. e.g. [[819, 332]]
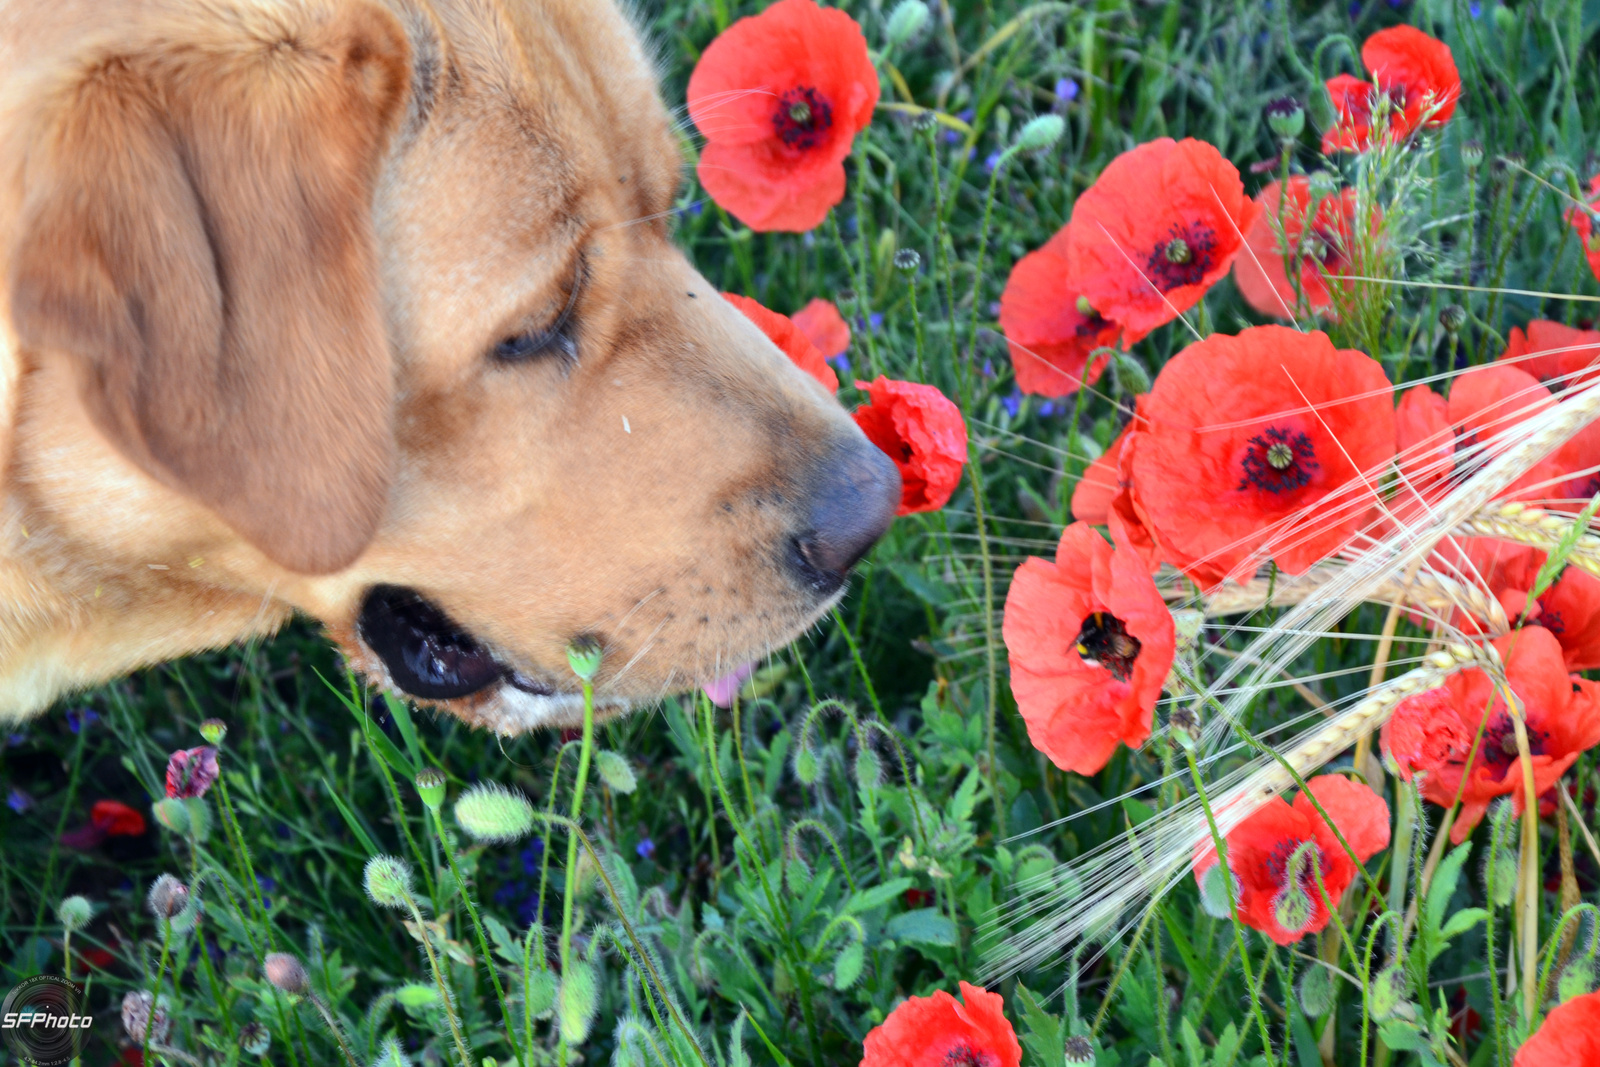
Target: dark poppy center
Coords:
[[1278, 460], [1324, 246], [967, 1056], [1499, 746], [1278, 861], [1183, 258], [802, 118], [1104, 641]]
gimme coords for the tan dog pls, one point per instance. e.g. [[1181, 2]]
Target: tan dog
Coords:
[[369, 309]]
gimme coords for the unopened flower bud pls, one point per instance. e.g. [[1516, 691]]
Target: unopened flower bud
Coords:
[[869, 769], [1577, 979], [615, 771], [906, 261], [1214, 891], [390, 1054], [805, 765], [578, 999], [254, 1039], [1286, 118], [906, 21], [1452, 317], [1322, 184], [1317, 991], [1471, 153], [1079, 1050], [1185, 726], [213, 731], [286, 972], [494, 813], [140, 1021], [583, 656], [1040, 133], [430, 787], [1128, 375], [388, 881], [172, 813], [1387, 992], [74, 912], [168, 897]]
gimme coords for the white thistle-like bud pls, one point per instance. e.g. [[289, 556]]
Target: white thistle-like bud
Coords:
[[494, 813], [388, 881], [906, 21]]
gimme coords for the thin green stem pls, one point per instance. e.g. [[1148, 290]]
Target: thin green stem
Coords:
[[585, 751]]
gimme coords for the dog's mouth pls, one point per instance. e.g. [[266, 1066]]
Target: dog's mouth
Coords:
[[427, 653]]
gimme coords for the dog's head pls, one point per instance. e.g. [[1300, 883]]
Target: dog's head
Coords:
[[383, 296]]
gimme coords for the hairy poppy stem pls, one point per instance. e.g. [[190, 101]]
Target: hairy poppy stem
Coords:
[[584, 752]]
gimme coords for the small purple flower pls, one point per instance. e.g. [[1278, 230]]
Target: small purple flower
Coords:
[[15, 739], [646, 849], [841, 363], [267, 884], [1066, 89], [988, 368], [18, 801], [532, 856], [991, 161], [1047, 408], [875, 321], [78, 718], [1475, 9], [190, 771], [1012, 403]]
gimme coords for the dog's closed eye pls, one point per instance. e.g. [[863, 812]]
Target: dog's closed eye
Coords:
[[554, 339]]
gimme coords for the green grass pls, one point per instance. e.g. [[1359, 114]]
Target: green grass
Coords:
[[783, 874]]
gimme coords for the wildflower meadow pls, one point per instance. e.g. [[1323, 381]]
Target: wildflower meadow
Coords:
[[1223, 692]]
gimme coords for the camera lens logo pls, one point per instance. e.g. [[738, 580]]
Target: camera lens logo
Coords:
[[43, 1020]]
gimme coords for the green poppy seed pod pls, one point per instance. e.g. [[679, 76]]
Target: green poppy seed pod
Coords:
[[583, 656], [1128, 375], [171, 813], [213, 731], [254, 1039], [494, 813], [1452, 317], [805, 765], [577, 1001], [1041, 132], [1083, 306], [1387, 992], [1286, 118], [615, 771], [388, 881], [430, 787], [1291, 909], [390, 1054], [907, 260], [168, 897], [906, 21], [1079, 1050], [541, 993], [286, 972], [1323, 184], [1471, 153], [1317, 991], [1214, 891], [74, 913], [1577, 979], [927, 121], [869, 768]]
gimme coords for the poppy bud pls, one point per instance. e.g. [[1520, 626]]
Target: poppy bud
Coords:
[[286, 972], [1040, 133], [906, 21], [74, 913], [254, 1039], [1452, 317], [1471, 153], [1214, 891], [168, 897], [388, 881], [430, 787], [1128, 375], [1291, 909], [1317, 991], [494, 813], [579, 997], [213, 731], [1387, 993], [390, 1054], [137, 1017], [199, 817], [1185, 725], [869, 769], [615, 771], [847, 965], [171, 813], [1577, 979], [805, 765], [1079, 1050], [583, 656], [907, 261], [540, 993], [1286, 118], [1322, 184]]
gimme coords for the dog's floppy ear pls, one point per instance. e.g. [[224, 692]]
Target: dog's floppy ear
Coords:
[[197, 238]]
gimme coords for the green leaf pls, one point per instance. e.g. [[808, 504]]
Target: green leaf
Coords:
[[1462, 921], [416, 995], [877, 896], [1227, 1048], [1305, 1043], [1193, 1048], [923, 927], [918, 586], [1137, 810], [350, 820], [965, 798], [401, 714], [1444, 884], [847, 965], [505, 946], [1401, 1036], [1043, 1035]]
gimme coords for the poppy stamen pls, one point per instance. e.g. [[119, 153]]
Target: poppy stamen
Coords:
[[1178, 251], [1104, 641], [966, 1056], [802, 118], [1183, 259], [1278, 460]]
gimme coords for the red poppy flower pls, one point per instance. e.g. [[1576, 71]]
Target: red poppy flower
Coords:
[[1272, 432], [1569, 609], [1554, 353], [1425, 441], [1568, 1037], [941, 1031], [1049, 327], [780, 97], [1414, 73], [1424, 731], [1321, 245], [191, 771], [116, 819], [1092, 496], [781, 331], [1261, 846], [1563, 719], [923, 432], [1090, 642], [1582, 222], [824, 327], [1489, 400], [1159, 227]]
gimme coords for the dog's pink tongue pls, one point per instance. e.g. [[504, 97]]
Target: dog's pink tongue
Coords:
[[722, 690]]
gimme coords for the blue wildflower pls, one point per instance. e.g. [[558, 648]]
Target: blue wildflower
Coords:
[[991, 161], [18, 801], [1047, 408], [875, 321], [646, 849], [1066, 89], [841, 363], [533, 856], [78, 718], [1012, 403]]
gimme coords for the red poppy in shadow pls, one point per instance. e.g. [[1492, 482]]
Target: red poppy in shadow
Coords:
[[1563, 719], [1262, 846], [823, 326], [1160, 226], [1090, 643], [1568, 1037], [1569, 609], [1414, 84], [1271, 435], [1049, 327], [107, 818], [1553, 353], [782, 331], [1582, 221], [1423, 732], [779, 98], [1320, 245], [941, 1031], [923, 432]]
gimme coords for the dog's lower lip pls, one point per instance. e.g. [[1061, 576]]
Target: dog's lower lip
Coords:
[[428, 655], [518, 680]]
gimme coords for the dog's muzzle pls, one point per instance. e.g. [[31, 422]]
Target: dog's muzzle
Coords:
[[428, 655]]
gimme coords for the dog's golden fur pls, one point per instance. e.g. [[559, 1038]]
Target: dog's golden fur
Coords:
[[256, 253]]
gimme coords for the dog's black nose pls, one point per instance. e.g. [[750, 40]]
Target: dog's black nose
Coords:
[[851, 505]]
